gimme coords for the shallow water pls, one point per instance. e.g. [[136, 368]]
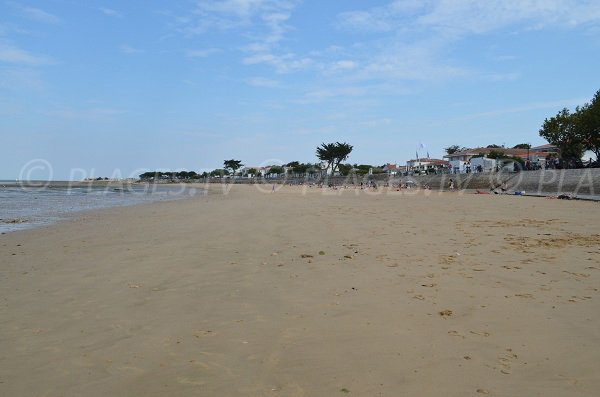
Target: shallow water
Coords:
[[28, 207]]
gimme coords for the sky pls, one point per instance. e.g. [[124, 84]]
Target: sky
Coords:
[[116, 88]]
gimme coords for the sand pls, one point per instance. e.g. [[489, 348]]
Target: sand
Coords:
[[304, 292]]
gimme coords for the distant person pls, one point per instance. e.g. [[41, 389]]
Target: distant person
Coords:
[[503, 187], [451, 185]]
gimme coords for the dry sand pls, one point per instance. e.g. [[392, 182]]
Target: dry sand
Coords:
[[292, 294]]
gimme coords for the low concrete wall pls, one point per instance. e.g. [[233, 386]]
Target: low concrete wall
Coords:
[[577, 181]]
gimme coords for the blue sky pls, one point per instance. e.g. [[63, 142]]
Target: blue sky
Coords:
[[114, 88]]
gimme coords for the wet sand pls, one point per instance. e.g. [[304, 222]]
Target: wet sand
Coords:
[[306, 293]]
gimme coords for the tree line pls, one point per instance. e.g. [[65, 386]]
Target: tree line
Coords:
[[332, 154]]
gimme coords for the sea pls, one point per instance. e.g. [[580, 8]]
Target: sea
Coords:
[[38, 204]]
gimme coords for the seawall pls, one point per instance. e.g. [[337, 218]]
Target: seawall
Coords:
[[585, 181], [577, 181]]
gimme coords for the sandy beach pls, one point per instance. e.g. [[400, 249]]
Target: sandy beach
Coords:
[[306, 292]]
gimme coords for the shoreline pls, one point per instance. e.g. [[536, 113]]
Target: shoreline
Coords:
[[31, 207], [305, 295]]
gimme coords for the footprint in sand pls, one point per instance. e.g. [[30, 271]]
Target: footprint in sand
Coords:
[[505, 360], [447, 259], [526, 296], [455, 333], [202, 334]]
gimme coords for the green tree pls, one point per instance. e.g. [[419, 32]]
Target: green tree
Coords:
[[522, 146], [292, 167], [342, 152], [149, 175], [345, 169], [326, 152], [219, 172], [454, 148], [302, 168], [232, 165], [588, 125], [276, 169], [362, 169], [493, 146], [561, 130], [334, 154], [252, 171]]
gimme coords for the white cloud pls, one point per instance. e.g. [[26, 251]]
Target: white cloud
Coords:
[[416, 61], [109, 12], [269, 15], [413, 37], [40, 15], [129, 50], [371, 21], [245, 8], [344, 64], [20, 79], [328, 93], [459, 17], [282, 63], [263, 22], [12, 54], [263, 82], [200, 53]]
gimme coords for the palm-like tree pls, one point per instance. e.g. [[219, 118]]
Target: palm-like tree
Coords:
[[333, 154], [233, 165], [342, 151], [326, 152]]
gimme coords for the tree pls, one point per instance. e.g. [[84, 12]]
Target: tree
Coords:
[[345, 169], [232, 165], [362, 169], [302, 168], [326, 152], [522, 146], [276, 169], [588, 125], [334, 154], [252, 171], [493, 146], [561, 130], [454, 148], [219, 172], [342, 151]]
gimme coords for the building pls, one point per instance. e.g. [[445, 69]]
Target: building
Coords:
[[392, 169], [549, 149], [427, 166]]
